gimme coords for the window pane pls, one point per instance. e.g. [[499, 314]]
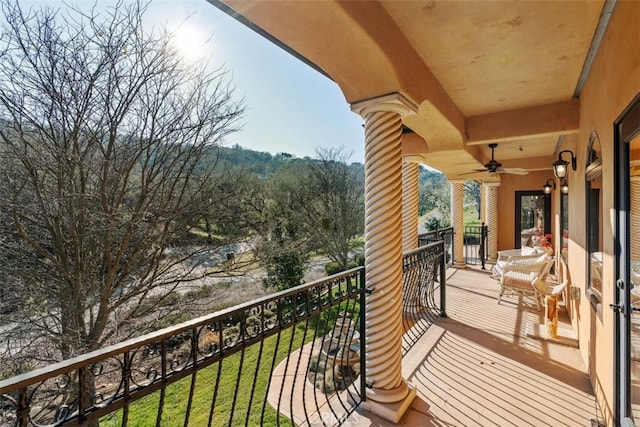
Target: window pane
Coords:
[[594, 200]]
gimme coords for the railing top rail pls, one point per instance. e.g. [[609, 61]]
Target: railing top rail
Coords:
[[436, 231], [423, 248], [40, 374]]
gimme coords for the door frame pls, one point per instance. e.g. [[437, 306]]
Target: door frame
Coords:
[[518, 208], [626, 128]]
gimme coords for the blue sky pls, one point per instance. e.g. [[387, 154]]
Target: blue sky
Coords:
[[289, 106]]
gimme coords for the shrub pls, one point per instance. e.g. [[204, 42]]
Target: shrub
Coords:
[[171, 320], [359, 259], [332, 268], [318, 363], [285, 271], [471, 240], [433, 223], [232, 332], [201, 292], [325, 382]]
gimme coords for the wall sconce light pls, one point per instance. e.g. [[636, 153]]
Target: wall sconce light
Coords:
[[548, 186], [560, 166], [564, 187]]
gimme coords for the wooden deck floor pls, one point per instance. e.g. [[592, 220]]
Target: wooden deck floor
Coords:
[[479, 367]]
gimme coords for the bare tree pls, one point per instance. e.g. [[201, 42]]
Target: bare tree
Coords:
[[335, 203], [107, 145]]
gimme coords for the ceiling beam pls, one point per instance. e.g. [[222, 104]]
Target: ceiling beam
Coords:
[[554, 119], [413, 145]]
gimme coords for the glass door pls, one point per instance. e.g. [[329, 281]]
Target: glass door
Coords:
[[533, 216], [627, 297]]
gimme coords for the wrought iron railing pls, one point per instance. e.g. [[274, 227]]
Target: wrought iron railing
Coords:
[[297, 353], [294, 357], [423, 297], [475, 244], [445, 234]]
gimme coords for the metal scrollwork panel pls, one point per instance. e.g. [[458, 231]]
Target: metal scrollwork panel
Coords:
[[109, 380]]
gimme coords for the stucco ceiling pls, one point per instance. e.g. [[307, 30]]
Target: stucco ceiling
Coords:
[[500, 55], [480, 71]]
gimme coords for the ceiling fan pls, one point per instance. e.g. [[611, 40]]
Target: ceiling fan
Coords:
[[494, 166]]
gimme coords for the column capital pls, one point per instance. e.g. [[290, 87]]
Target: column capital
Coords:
[[412, 159], [491, 184], [457, 181], [395, 102]]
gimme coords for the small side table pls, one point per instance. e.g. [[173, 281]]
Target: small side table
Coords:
[[562, 335]]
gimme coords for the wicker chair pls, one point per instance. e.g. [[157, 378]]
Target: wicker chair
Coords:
[[520, 278], [526, 255]]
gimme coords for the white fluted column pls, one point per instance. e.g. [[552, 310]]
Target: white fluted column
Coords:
[[389, 395], [491, 220], [409, 206], [457, 222]]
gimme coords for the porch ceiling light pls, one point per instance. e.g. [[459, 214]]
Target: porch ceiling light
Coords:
[[560, 166], [548, 186], [564, 187]]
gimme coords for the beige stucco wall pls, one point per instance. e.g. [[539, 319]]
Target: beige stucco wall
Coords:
[[613, 83]]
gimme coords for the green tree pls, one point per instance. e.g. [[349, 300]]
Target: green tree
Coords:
[[286, 236], [313, 204], [433, 195], [472, 194]]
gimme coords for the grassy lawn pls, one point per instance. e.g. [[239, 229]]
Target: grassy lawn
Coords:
[[256, 370], [471, 216]]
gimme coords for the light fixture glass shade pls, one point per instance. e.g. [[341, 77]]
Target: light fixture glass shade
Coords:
[[564, 187], [560, 168], [549, 186]]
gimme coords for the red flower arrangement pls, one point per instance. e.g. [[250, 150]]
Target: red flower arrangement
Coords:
[[545, 241], [541, 239]]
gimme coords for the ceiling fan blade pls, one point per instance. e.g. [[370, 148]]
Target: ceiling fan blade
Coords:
[[478, 172], [514, 171]]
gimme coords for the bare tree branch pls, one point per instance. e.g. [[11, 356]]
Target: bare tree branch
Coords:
[[108, 157]]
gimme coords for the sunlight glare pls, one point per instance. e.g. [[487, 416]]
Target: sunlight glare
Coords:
[[190, 42]]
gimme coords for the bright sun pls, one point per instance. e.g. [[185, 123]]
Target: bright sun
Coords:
[[190, 42]]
